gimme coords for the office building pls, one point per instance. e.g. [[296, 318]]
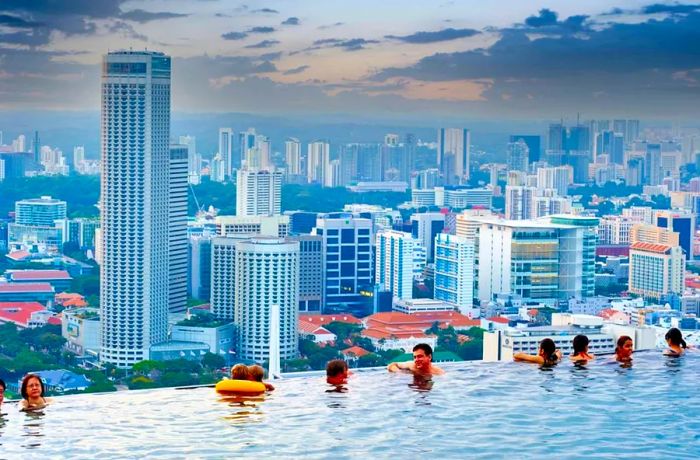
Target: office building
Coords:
[[246, 140], [177, 228], [292, 156], [454, 271], [425, 226], [41, 212], [467, 223], [681, 222], [645, 214], [252, 225], [612, 144], [616, 230], [79, 231], [347, 260], [652, 164], [656, 269], [396, 254], [533, 145], [453, 156], [310, 275], [199, 267], [645, 233], [317, 161], [519, 201], [217, 169], [258, 193], [194, 159], [301, 221], [135, 131], [558, 178], [226, 151], [518, 155]]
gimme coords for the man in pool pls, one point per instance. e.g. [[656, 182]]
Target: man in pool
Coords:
[[337, 372], [422, 363]]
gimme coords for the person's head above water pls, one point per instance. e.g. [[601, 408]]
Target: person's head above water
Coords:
[[239, 372], [580, 344], [32, 387], [2, 391], [624, 348], [422, 356], [548, 350], [336, 371], [256, 373], [675, 337]]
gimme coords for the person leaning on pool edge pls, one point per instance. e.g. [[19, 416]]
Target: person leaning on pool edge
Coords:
[[547, 355], [422, 363]]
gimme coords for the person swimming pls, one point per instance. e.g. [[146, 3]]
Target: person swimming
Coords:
[[337, 372], [624, 349], [32, 390], [422, 362], [240, 372], [547, 355], [256, 374], [676, 344], [3, 387], [581, 354]]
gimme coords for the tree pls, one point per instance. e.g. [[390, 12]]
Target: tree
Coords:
[[343, 330], [213, 361], [370, 360]]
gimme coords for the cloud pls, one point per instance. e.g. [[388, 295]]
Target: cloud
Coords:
[[142, 16], [126, 30], [264, 44], [16, 21], [266, 11], [292, 21], [295, 70], [234, 35], [330, 26], [436, 36], [672, 9], [348, 44], [546, 17], [261, 30], [270, 56]]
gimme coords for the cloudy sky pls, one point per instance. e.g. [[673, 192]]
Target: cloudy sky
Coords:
[[509, 59]]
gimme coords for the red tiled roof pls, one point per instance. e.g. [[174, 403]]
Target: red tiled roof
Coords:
[[25, 287], [355, 351], [311, 328], [54, 321], [18, 255], [422, 320], [19, 312], [399, 333], [63, 296], [499, 319], [30, 275], [322, 320], [651, 247]]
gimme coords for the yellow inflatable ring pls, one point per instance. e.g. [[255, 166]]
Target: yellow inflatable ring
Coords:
[[240, 387]]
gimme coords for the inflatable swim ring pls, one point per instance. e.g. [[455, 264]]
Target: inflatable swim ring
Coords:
[[240, 387]]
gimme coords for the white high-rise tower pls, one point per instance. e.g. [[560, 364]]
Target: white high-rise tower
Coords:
[[135, 131], [226, 149]]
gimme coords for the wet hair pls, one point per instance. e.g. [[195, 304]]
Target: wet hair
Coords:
[[25, 384], [2, 384], [336, 367], [549, 350], [239, 372], [621, 342], [427, 349], [675, 337], [256, 373], [580, 344]]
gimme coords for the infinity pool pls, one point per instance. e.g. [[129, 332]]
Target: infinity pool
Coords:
[[477, 410]]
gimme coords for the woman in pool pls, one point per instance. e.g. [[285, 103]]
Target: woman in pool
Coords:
[[580, 354], [676, 344], [32, 391], [548, 355], [624, 349]]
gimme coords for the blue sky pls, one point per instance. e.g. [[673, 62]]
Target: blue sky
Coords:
[[508, 59]]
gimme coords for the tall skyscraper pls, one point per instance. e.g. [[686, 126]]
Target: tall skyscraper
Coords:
[[317, 161], [310, 275], [177, 228], [258, 193], [519, 202], [292, 156], [424, 227], [135, 130], [194, 159], [217, 169], [656, 269], [682, 223], [78, 155], [454, 271], [453, 155], [533, 145], [518, 155], [199, 267], [226, 149], [612, 144], [557, 137], [558, 178], [347, 260], [394, 262], [652, 164]]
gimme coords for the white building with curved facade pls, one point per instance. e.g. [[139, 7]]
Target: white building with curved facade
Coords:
[[135, 132]]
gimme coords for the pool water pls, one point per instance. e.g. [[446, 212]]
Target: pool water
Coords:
[[477, 410]]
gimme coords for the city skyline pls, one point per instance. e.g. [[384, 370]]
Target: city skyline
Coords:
[[457, 60]]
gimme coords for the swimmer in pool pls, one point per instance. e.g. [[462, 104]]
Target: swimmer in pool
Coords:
[[239, 372], [337, 372], [422, 363], [624, 349], [581, 354], [3, 387], [32, 390], [547, 355], [676, 344], [256, 374]]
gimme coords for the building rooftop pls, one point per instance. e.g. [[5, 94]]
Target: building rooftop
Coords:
[[32, 275], [64, 379], [25, 287], [355, 351], [325, 319], [19, 312], [651, 247]]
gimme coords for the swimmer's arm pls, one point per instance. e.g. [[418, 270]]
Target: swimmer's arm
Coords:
[[269, 387], [395, 367], [528, 358]]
